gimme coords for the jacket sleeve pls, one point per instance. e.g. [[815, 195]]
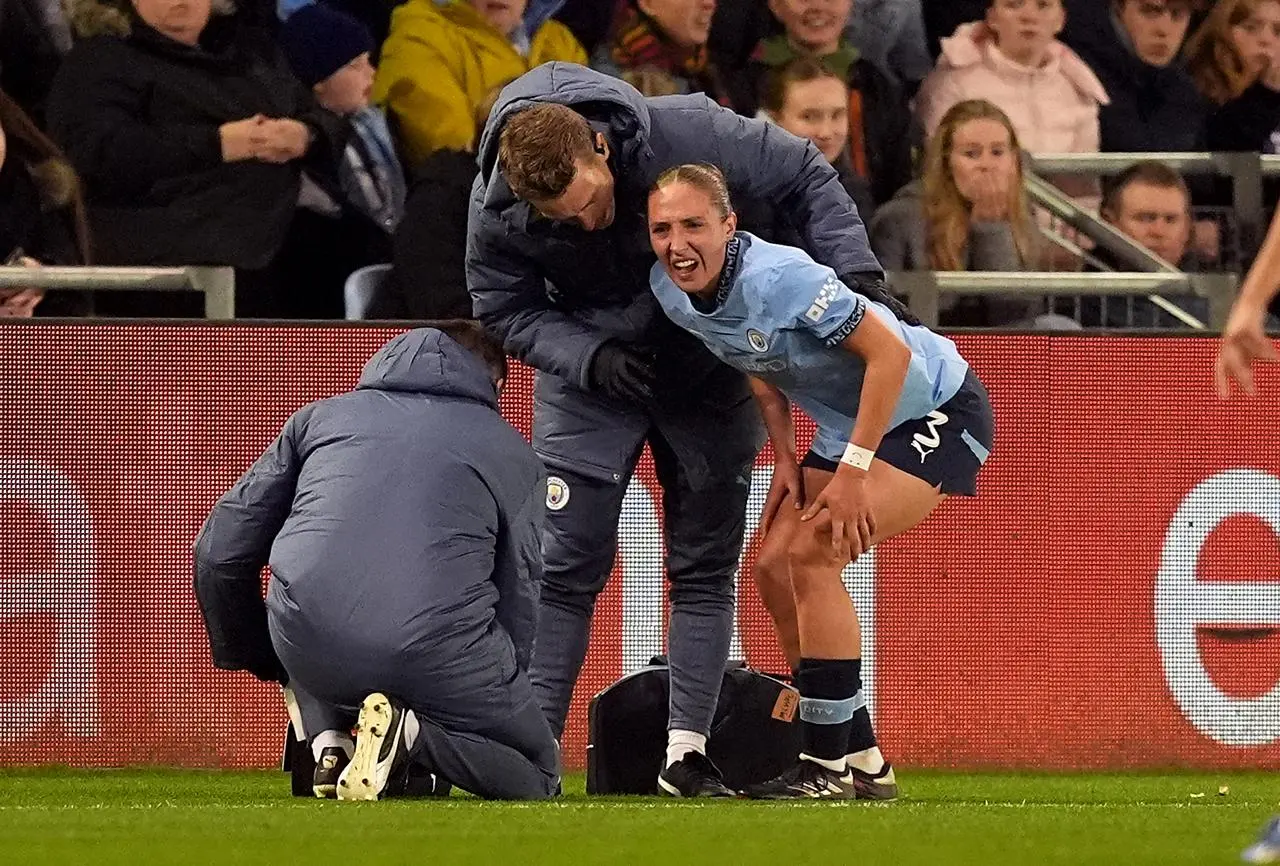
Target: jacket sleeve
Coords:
[[509, 297], [518, 568], [97, 114], [418, 87], [233, 547], [766, 162], [891, 235], [992, 247]]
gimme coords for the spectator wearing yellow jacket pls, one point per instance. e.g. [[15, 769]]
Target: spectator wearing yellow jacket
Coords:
[[444, 57]]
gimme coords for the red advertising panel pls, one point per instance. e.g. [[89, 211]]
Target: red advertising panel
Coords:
[[1111, 598]]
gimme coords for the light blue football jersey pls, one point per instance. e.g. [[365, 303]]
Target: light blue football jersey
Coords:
[[781, 317]]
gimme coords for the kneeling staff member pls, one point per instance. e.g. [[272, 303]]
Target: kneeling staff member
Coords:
[[401, 522]]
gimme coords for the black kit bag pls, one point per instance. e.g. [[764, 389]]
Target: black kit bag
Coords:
[[755, 734]]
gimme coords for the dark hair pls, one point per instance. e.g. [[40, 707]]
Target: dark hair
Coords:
[[48, 166], [773, 87], [1152, 172], [711, 181], [539, 147], [469, 334]]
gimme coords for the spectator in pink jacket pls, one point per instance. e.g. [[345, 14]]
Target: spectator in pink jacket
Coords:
[[1014, 60]]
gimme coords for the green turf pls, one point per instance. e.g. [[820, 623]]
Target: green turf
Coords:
[[162, 816]]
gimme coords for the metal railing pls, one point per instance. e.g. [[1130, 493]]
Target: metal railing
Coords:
[[924, 289], [1244, 170], [217, 284]]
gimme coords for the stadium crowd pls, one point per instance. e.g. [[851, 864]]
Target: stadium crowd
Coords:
[[300, 142]]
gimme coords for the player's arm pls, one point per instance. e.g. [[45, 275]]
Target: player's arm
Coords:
[[1243, 339], [230, 552], [775, 409], [886, 359]]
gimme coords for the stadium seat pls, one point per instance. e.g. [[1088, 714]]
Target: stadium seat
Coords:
[[360, 287]]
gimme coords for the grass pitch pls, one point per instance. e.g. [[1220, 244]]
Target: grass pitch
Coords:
[[170, 816]]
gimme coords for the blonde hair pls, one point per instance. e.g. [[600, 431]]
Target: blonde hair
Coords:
[[701, 176], [946, 211], [1220, 72]]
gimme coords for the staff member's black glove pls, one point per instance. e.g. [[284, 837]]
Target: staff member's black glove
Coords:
[[621, 373]]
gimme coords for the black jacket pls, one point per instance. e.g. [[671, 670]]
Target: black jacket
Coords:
[[428, 278], [1152, 108], [139, 114], [1246, 123]]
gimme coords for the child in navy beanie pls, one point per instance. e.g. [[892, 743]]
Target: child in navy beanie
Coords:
[[329, 52]]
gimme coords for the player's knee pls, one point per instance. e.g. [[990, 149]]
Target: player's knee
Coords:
[[812, 560]]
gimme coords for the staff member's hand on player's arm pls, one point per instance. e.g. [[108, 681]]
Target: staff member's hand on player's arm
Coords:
[[887, 358], [1243, 339], [787, 478]]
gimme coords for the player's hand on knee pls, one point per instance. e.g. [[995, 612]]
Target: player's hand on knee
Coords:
[[848, 506], [787, 486]]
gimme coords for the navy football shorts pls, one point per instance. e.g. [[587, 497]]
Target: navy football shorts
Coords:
[[946, 448]]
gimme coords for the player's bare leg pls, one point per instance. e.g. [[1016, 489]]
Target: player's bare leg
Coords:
[[798, 575]]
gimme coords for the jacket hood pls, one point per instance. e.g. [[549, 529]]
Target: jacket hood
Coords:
[[974, 44], [427, 361], [597, 96]]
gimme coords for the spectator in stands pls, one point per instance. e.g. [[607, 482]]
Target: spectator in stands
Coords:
[[1151, 204], [882, 130], [191, 135], [1234, 58], [659, 47], [1014, 60], [401, 522], [967, 213], [443, 58], [42, 217], [807, 100], [1154, 104], [329, 52], [890, 34]]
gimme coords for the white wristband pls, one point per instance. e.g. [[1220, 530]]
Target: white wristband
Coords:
[[858, 457]]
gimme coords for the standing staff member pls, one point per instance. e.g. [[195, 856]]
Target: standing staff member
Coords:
[[557, 265], [902, 423]]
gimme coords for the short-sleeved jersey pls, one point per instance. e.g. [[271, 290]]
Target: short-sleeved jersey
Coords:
[[781, 317]]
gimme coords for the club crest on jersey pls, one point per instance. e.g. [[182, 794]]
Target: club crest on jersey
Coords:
[[557, 493], [759, 342], [825, 296]]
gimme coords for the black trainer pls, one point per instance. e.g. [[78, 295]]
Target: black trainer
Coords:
[[381, 761], [882, 786], [324, 782], [806, 780], [693, 776]]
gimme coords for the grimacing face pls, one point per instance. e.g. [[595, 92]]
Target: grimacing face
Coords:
[[689, 236]]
